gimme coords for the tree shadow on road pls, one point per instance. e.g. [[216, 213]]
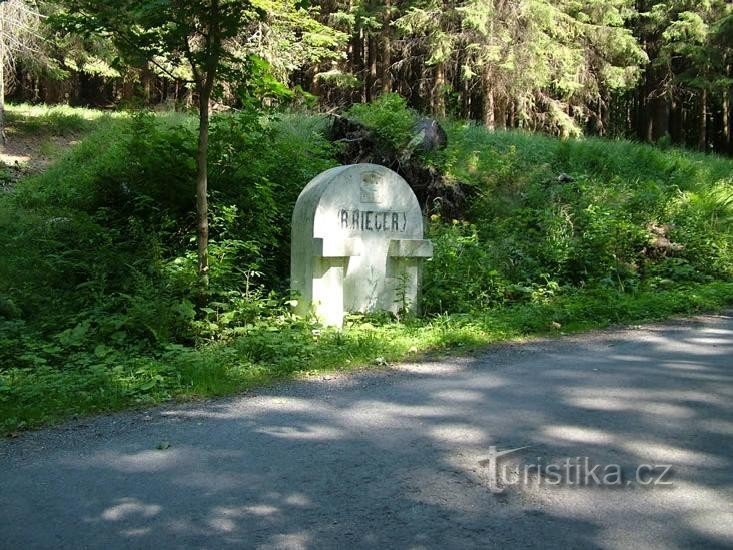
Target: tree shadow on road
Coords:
[[397, 459]]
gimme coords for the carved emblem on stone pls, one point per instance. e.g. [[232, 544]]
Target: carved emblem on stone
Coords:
[[371, 188]]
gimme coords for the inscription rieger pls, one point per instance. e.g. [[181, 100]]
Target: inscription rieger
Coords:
[[372, 220]]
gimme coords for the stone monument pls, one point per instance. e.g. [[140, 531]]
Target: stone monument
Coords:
[[357, 243]]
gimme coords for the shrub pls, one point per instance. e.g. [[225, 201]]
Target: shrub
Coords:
[[99, 305], [389, 117], [100, 249], [462, 275], [550, 215]]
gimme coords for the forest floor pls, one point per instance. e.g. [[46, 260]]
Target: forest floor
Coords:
[[27, 154], [398, 457]]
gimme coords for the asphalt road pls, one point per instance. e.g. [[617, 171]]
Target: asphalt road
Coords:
[[402, 458]]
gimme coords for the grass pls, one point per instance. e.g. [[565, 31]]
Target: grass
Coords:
[[32, 398], [55, 119], [474, 151]]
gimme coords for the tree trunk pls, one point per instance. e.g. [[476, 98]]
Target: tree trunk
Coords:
[[357, 60], [467, 99], [202, 204], [386, 70], [502, 112], [438, 99], [640, 112], [686, 117], [660, 124], [675, 122], [489, 119], [512, 114], [128, 86], [647, 105], [726, 120], [600, 128], [372, 76], [204, 88], [702, 141], [2, 73]]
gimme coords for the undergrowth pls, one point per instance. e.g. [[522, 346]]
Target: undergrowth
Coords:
[[266, 353], [55, 119], [99, 304]]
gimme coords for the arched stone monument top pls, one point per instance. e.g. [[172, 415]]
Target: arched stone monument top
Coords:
[[364, 200], [356, 239]]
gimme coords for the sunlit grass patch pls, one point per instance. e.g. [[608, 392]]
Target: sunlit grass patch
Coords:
[[55, 119]]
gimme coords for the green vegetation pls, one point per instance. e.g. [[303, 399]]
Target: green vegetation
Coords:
[[551, 214], [56, 120], [286, 347], [99, 303], [38, 134]]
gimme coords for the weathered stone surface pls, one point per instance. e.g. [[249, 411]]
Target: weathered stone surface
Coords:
[[357, 243]]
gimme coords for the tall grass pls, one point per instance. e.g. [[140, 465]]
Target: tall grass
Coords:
[[475, 152], [55, 119]]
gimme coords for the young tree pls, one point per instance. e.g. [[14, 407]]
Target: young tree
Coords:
[[197, 32], [430, 31], [289, 37], [688, 78], [695, 48], [210, 37]]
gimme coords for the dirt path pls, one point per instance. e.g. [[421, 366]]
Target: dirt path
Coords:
[[25, 154]]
